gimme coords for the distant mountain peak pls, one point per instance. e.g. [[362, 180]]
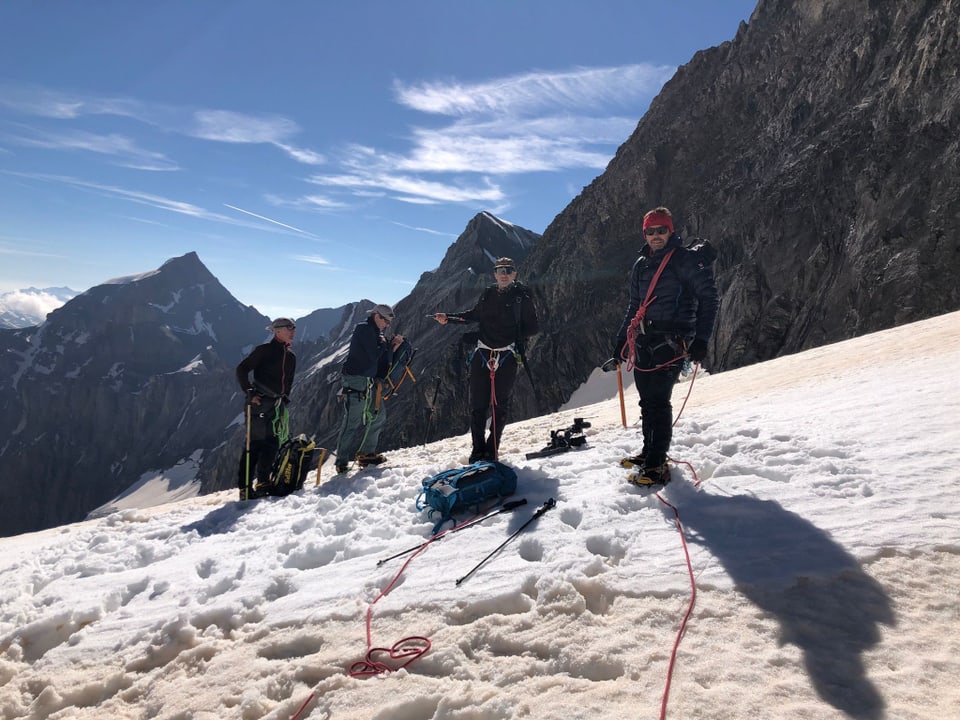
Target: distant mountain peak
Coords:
[[188, 266]]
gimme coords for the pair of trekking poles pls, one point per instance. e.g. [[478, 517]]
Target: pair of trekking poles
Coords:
[[506, 507]]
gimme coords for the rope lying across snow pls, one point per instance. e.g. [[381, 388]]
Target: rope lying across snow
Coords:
[[686, 616], [409, 648]]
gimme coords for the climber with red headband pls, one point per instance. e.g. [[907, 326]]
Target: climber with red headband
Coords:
[[670, 317]]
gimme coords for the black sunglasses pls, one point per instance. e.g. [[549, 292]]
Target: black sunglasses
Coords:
[[504, 270], [660, 230]]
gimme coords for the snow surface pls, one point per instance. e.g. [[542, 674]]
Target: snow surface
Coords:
[[824, 543]]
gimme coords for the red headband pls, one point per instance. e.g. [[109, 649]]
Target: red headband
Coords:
[[656, 219]]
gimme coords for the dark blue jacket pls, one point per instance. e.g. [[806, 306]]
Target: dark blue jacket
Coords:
[[370, 354], [685, 297]]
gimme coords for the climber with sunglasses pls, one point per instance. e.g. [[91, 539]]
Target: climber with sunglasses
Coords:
[[670, 317]]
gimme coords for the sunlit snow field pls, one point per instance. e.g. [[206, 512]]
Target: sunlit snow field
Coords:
[[824, 541]]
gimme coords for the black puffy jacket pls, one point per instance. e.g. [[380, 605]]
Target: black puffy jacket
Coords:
[[684, 301]]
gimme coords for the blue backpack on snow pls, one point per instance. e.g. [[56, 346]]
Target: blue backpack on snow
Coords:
[[465, 489]]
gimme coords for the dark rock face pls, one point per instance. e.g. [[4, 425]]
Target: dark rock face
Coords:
[[131, 375], [818, 150]]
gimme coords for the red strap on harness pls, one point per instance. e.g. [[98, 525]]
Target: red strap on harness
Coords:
[[628, 353]]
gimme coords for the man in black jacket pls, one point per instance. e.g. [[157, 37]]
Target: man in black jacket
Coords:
[[672, 309], [367, 364], [507, 318], [273, 365]]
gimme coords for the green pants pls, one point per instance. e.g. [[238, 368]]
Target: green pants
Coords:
[[362, 421]]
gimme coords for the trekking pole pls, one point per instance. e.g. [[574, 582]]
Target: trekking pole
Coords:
[[432, 410], [506, 507], [551, 503], [246, 451], [623, 410], [529, 374]]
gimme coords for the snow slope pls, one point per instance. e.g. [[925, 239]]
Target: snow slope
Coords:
[[824, 543]]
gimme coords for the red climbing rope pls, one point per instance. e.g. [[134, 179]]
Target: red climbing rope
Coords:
[[686, 617]]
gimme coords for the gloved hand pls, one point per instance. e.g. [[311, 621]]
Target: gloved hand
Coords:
[[697, 350], [252, 397], [610, 365], [618, 344]]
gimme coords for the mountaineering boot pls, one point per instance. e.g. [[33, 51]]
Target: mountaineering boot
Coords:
[[633, 461], [341, 468], [364, 459], [476, 455], [659, 475]]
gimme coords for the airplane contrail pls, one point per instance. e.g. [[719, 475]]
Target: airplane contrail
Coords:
[[271, 220]]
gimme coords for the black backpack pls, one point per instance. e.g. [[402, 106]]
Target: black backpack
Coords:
[[290, 467]]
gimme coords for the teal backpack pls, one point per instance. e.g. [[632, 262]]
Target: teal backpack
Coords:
[[465, 489]]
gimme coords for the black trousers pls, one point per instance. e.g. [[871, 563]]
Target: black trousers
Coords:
[[264, 445], [480, 399], [655, 387]]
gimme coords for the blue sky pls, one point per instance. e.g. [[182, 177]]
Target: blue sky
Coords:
[[312, 153]]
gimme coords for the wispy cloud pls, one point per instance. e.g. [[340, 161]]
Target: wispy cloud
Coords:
[[584, 89], [379, 173], [60, 105], [531, 122], [429, 231], [155, 201], [205, 124], [167, 204], [20, 252], [302, 155], [124, 150], [534, 122], [232, 127], [308, 202], [314, 259]]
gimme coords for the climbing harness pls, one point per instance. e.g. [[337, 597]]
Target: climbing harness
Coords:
[[492, 357]]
